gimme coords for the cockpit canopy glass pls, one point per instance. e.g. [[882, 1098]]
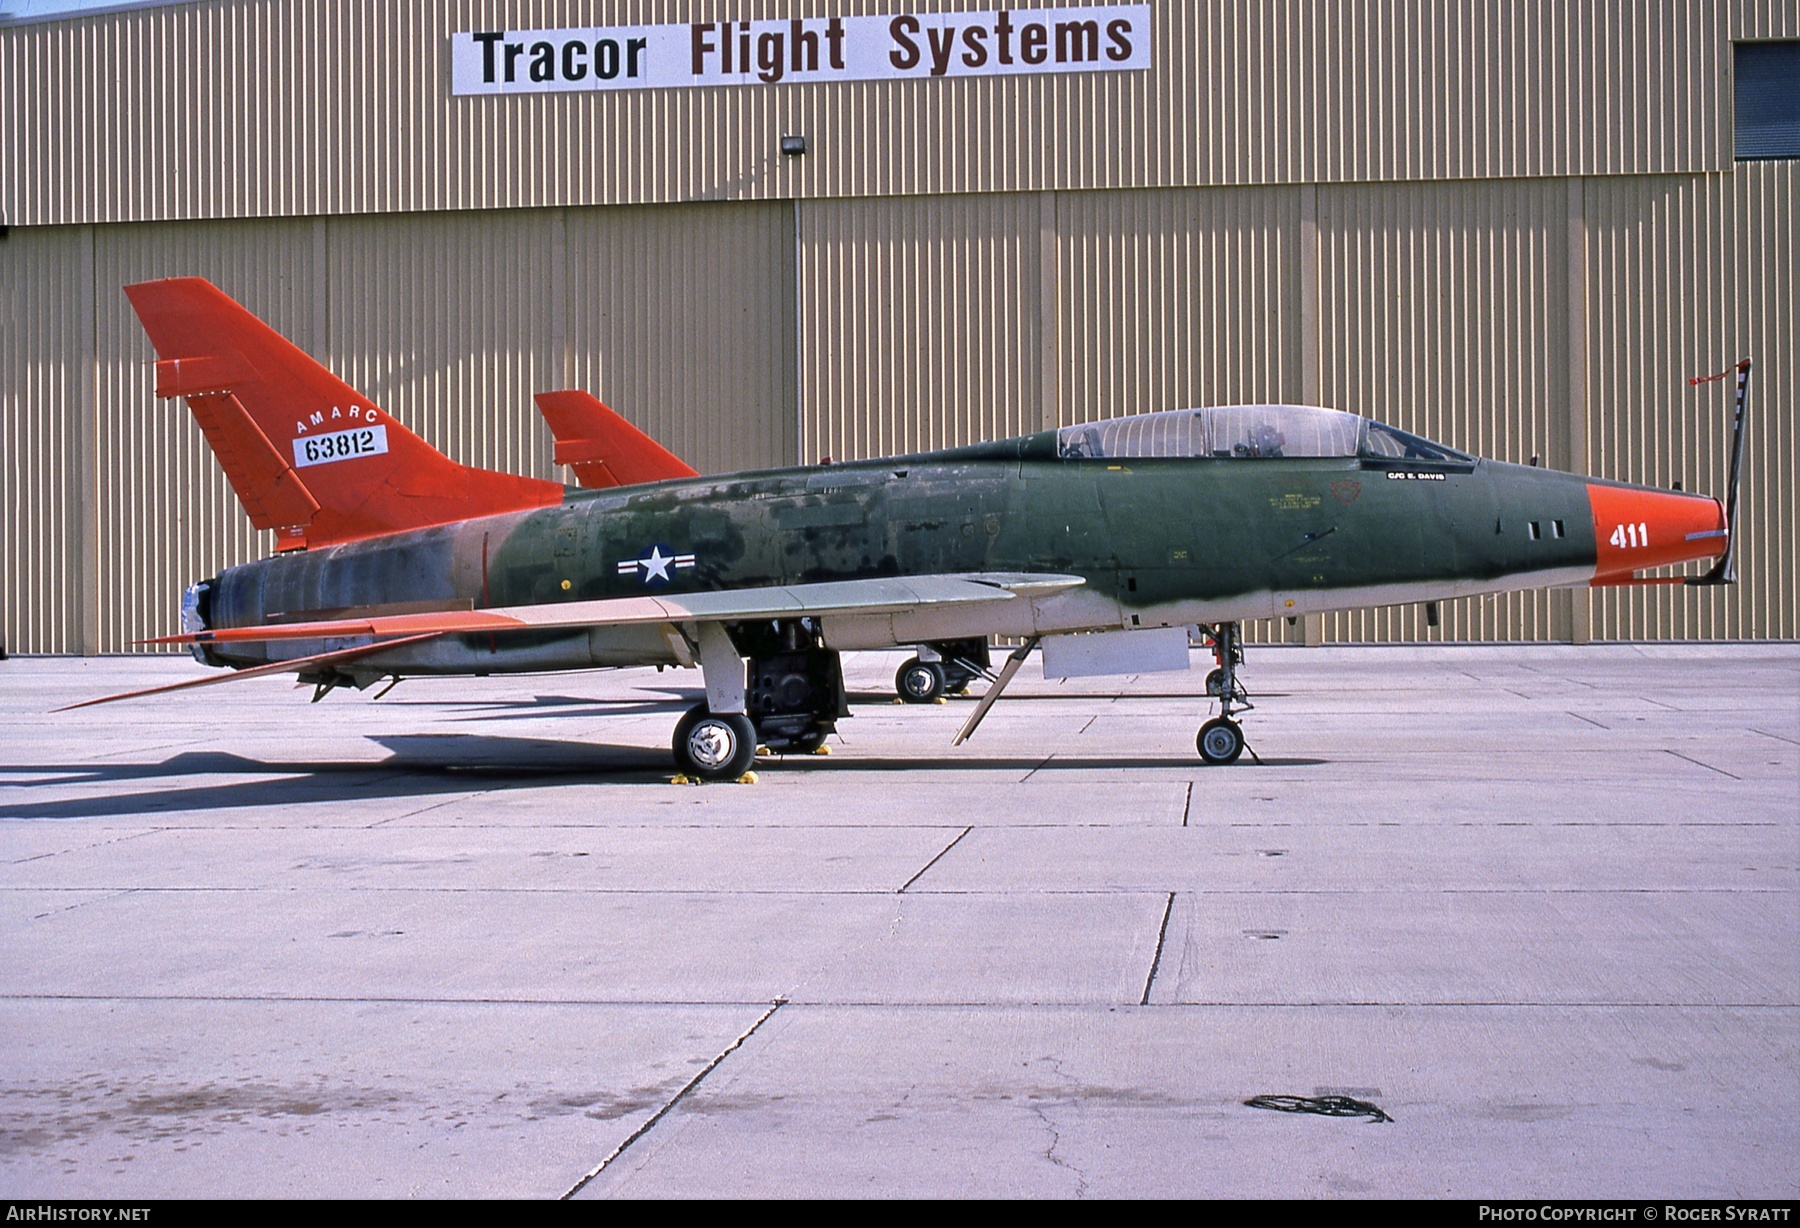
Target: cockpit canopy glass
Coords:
[[1384, 441], [1245, 432]]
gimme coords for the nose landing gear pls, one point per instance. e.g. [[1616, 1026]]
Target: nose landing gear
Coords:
[[1220, 740]]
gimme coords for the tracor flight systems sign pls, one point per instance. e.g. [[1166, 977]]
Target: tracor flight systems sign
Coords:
[[890, 47]]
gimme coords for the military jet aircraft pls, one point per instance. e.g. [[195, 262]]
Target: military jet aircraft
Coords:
[[1104, 542]]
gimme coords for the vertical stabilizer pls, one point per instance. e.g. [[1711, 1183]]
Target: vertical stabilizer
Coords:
[[308, 455]]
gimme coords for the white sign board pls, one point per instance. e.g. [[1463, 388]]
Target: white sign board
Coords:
[[889, 47]]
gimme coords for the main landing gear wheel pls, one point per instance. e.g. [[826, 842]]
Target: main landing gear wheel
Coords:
[[714, 747], [805, 744], [1220, 741], [920, 682]]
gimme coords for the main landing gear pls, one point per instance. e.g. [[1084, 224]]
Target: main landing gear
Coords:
[[1220, 740], [714, 746], [790, 702], [942, 668]]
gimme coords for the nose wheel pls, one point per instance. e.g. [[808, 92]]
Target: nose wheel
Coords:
[[1221, 740]]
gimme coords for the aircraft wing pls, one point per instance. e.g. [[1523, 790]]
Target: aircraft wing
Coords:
[[881, 595]]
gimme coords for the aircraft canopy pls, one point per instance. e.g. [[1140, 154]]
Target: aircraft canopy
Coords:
[[1245, 432]]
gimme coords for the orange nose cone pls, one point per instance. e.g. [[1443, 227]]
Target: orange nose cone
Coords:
[[1636, 528]]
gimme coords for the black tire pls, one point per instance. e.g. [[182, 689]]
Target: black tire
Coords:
[[1220, 741], [1215, 683], [920, 682], [714, 747], [805, 744]]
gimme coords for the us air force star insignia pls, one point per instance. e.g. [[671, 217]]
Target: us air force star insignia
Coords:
[[655, 565]]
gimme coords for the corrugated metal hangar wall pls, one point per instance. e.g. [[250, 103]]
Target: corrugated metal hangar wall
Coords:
[[1513, 227]]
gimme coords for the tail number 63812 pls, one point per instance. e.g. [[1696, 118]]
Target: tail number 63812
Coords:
[[1630, 536]]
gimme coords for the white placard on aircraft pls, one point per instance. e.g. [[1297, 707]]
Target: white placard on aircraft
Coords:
[[340, 445]]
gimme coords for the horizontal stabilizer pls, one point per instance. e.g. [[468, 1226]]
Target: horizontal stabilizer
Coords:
[[336, 657], [184, 377], [603, 448]]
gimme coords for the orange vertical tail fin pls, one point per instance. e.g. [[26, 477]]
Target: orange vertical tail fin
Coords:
[[601, 447], [308, 455]]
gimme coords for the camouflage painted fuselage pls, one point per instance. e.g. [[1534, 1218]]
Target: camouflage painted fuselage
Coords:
[[1159, 542]]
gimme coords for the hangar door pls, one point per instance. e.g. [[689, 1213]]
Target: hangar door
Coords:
[[679, 317]]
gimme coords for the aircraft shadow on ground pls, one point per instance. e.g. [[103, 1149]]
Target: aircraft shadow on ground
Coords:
[[880, 698], [680, 699], [431, 765], [421, 766], [924, 763]]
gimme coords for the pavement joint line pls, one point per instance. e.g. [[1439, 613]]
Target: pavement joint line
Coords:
[[103, 897], [449, 801], [1162, 933], [799, 1004], [88, 848], [1040, 767], [1558, 675], [1187, 807], [1134, 825], [1697, 763], [135, 750], [1590, 720], [692, 1083], [915, 878], [1765, 733], [881, 892]]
